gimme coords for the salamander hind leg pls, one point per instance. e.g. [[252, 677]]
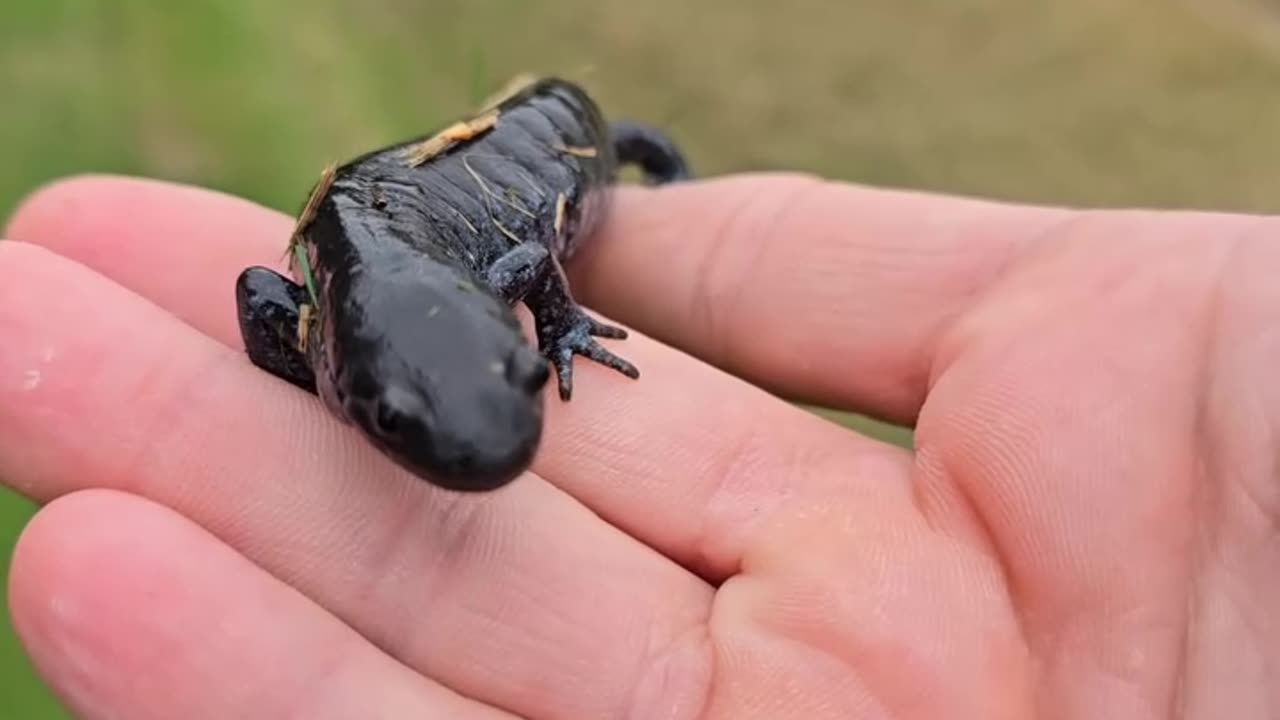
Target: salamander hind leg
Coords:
[[564, 329], [269, 307], [649, 149]]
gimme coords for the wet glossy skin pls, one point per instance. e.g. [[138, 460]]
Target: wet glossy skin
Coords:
[[417, 260]]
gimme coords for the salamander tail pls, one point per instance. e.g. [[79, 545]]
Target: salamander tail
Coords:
[[649, 149]]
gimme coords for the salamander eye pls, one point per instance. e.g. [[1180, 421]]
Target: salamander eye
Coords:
[[391, 421], [399, 414]]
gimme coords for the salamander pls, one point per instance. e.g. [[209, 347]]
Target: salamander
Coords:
[[406, 266]]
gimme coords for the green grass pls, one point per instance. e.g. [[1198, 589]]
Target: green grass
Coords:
[[1098, 102]]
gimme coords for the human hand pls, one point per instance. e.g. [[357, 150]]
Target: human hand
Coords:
[[1086, 528]]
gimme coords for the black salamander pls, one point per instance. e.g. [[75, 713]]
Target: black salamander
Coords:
[[407, 263]]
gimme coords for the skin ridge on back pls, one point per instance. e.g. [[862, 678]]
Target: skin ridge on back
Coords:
[[407, 262], [524, 148]]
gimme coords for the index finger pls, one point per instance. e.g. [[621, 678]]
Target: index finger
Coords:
[[824, 292]]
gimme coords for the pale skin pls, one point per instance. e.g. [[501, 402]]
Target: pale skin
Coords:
[[1086, 528]]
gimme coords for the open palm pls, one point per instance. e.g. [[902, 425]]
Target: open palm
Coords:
[[1085, 529]]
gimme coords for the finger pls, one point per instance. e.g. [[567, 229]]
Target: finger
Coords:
[[114, 225], [130, 610], [823, 292], [503, 597], [696, 490]]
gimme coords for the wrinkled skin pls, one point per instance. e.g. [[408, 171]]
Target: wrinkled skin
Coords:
[[1086, 529]]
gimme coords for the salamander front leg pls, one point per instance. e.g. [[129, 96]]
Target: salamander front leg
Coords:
[[513, 275], [269, 306], [565, 329], [649, 149]]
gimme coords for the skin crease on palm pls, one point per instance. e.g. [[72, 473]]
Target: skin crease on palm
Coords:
[[1085, 529]]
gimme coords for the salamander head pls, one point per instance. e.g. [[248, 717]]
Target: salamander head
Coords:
[[439, 377]]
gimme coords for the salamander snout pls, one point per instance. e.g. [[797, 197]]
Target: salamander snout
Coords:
[[474, 431], [460, 438], [441, 380]]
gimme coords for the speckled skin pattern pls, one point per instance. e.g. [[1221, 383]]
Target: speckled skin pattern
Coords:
[[417, 262]]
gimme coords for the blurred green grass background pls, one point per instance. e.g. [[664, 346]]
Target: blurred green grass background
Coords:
[[1095, 102]]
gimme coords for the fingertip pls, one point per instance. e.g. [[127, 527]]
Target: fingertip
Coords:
[[43, 201], [63, 548], [129, 609], [33, 566], [101, 219], [65, 565], [155, 237], [59, 203]]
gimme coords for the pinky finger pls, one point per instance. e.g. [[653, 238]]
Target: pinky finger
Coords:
[[130, 610]]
